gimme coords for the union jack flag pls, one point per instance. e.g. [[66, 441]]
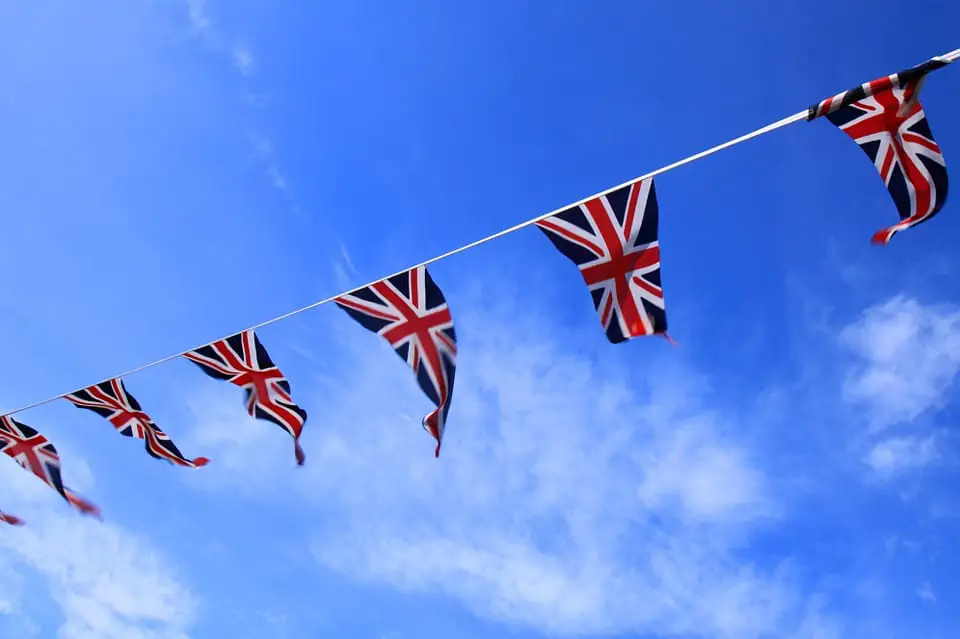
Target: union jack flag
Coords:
[[243, 361], [884, 117], [411, 313], [867, 89], [7, 518], [111, 400], [36, 453], [613, 240]]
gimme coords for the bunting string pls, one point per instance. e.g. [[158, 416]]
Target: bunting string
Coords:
[[824, 108]]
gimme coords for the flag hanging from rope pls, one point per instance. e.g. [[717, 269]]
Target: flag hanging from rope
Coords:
[[885, 118], [613, 240], [7, 518], [411, 313], [243, 361], [112, 401], [36, 453]]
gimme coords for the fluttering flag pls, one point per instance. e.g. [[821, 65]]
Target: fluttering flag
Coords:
[[36, 453], [613, 240], [7, 518], [411, 313], [243, 361], [884, 117], [112, 401]]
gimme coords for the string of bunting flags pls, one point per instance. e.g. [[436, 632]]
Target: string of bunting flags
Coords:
[[612, 238]]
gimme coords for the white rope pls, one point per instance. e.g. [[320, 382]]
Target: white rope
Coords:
[[950, 57], [796, 117]]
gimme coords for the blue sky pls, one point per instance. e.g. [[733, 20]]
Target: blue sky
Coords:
[[175, 171]]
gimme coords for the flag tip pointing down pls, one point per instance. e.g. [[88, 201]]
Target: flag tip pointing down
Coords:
[[881, 238], [298, 453], [86, 507]]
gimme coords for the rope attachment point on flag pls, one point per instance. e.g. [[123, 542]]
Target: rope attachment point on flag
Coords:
[[868, 89]]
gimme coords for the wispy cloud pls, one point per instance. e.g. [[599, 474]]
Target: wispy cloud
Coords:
[[197, 12], [667, 476], [906, 356], [894, 455], [264, 150], [109, 582], [241, 57], [263, 147], [556, 464], [344, 271], [909, 357]]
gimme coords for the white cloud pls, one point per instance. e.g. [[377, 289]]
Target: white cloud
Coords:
[[909, 357], [108, 582], [10, 588], [926, 593], [897, 454], [702, 495], [242, 59], [197, 12], [570, 497], [263, 148]]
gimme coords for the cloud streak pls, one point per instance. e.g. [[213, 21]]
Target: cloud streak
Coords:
[[266, 155], [242, 59]]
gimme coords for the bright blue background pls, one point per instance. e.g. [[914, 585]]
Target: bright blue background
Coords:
[[157, 194]]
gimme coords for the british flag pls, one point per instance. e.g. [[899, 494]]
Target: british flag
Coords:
[[884, 117], [411, 313], [36, 453], [867, 89], [613, 240], [243, 361], [7, 518], [112, 401]]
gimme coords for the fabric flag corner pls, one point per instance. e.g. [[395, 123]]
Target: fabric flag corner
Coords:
[[112, 401], [886, 120], [613, 240], [410, 312], [12, 520], [243, 361], [36, 453]]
